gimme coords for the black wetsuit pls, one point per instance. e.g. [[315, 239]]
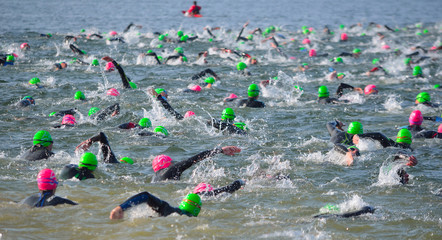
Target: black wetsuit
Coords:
[[327, 100], [169, 108], [76, 49], [173, 57], [203, 73], [38, 152], [71, 111], [24, 103], [341, 87], [428, 134], [236, 185], [342, 149], [430, 104], [222, 125], [414, 129], [161, 207], [44, 199], [72, 170], [174, 171], [384, 140], [125, 79], [103, 114], [108, 154], [154, 55], [250, 102], [338, 136], [364, 210]]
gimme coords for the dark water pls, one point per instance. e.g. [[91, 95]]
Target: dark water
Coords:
[[287, 137]]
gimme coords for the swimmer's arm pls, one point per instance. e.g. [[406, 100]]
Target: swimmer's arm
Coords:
[[203, 73], [341, 88], [236, 185], [123, 76], [334, 127], [169, 108], [154, 55], [242, 29]]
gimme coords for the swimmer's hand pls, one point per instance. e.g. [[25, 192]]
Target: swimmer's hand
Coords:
[[412, 161], [339, 125], [359, 90], [231, 150], [108, 59], [116, 213], [84, 145]]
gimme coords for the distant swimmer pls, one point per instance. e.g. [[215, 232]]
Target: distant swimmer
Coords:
[[363, 210], [252, 100], [227, 123], [424, 98], [47, 185], [324, 97], [161, 96], [42, 147], [101, 138], [59, 66], [84, 170], [194, 9], [26, 101], [368, 90], [101, 114], [127, 83]]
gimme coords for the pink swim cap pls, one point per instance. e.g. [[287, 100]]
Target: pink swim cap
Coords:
[[68, 120], [46, 180], [439, 129], [15, 55], [110, 66], [203, 187], [113, 92], [195, 88], [24, 45], [113, 33], [385, 46], [232, 96], [369, 89], [306, 41], [189, 114], [416, 118], [310, 29], [292, 39], [160, 162], [312, 53], [433, 48], [344, 37]]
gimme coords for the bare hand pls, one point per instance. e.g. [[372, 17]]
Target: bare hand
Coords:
[[412, 161], [359, 90], [349, 158], [84, 145], [117, 213], [231, 150]]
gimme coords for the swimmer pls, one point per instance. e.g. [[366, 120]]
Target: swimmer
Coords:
[[339, 136], [153, 54], [409, 160], [59, 66], [378, 69], [324, 97], [204, 73], [193, 89], [25, 47], [132, 25], [232, 97], [356, 53], [42, 147], [415, 121], [26, 101], [312, 53], [165, 169], [194, 9], [76, 50], [101, 138], [127, 83], [62, 113], [240, 33], [363, 210], [252, 100], [7, 59], [242, 68], [143, 123], [430, 133], [207, 190], [161, 96], [335, 75], [369, 89], [47, 185], [84, 170], [100, 115], [179, 55], [424, 98], [227, 123], [67, 121], [403, 139], [190, 206]]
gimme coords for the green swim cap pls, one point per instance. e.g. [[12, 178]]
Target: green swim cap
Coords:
[[329, 208], [84, 52], [305, 31], [404, 136], [437, 86], [356, 50], [355, 128], [149, 51], [342, 26], [160, 58], [43, 138], [363, 34], [304, 27], [79, 96], [161, 37], [241, 66], [160, 46], [161, 129], [183, 38], [145, 123], [241, 125], [267, 30], [407, 61], [418, 25], [159, 90], [127, 160], [184, 59], [253, 90], [340, 74], [52, 114], [89, 161], [82, 30], [95, 62], [425, 31], [180, 33], [339, 60], [323, 92], [179, 50], [34, 80], [419, 33], [10, 58], [417, 70], [93, 110], [423, 97], [210, 80], [250, 37], [210, 39], [375, 61], [133, 85], [48, 35], [191, 204], [228, 113]]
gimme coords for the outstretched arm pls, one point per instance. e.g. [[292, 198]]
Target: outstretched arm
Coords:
[[123, 76]]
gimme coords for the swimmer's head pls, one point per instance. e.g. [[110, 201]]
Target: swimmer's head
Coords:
[[25, 46], [375, 61], [161, 129], [232, 96], [161, 162], [162, 92], [30, 99], [46, 180], [339, 60], [250, 37], [93, 110], [184, 58], [407, 61], [340, 75], [356, 51], [34, 81], [83, 30], [145, 123], [423, 97], [113, 33], [79, 96], [323, 92], [306, 41], [68, 120], [385, 46], [110, 67], [209, 80], [127, 160], [161, 37], [195, 88], [95, 62], [370, 89], [189, 114], [342, 26], [241, 125], [355, 128], [344, 37], [228, 114], [160, 46], [88, 160], [191, 204], [312, 53], [241, 66], [404, 136], [253, 91], [416, 118], [113, 92], [179, 50], [417, 70], [43, 138], [10, 58], [203, 187], [180, 33]]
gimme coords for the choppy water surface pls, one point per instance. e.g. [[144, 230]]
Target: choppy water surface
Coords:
[[288, 136]]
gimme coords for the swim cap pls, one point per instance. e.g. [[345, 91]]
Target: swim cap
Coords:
[[30, 99], [113, 92], [404, 136], [161, 129], [82, 30], [375, 61], [113, 33], [425, 31], [43, 138], [161, 37], [68, 120], [195, 88], [210, 39], [340, 75], [355, 128], [34, 81], [439, 129], [329, 208], [160, 46], [342, 26], [423, 97], [407, 61], [344, 37], [369, 89], [203, 187], [241, 66], [189, 114], [160, 90], [180, 33], [183, 38], [339, 60], [250, 37], [241, 125], [253, 90], [9, 58], [149, 51], [416, 118], [127, 160], [385, 46], [110, 66], [210, 80], [52, 114], [305, 32], [95, 62], [184, 59], [161, 162], [24, 46], [79, 96], [46, 180], [417, 70], [191, 204], [228, 113], [133, 85], [356, 50], [233, 96], [312, 53], [306, 41], [179, 50], [363, 34], [436, 85], [89, 161], [145, 123], [93, 110], [323, 92]]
